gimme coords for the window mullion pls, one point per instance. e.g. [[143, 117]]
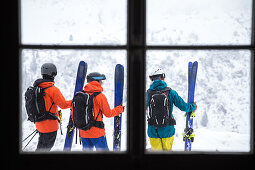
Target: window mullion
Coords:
[[136, 80]]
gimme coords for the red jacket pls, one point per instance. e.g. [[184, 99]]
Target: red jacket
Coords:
[[53, 94], [100, 102]]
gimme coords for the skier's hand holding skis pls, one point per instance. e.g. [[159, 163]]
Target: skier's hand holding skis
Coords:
[[195, 103], [122, 106]]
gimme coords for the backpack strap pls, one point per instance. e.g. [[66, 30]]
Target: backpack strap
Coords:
[[158, 91], [51, 115], [167, 89], [51, 106], [98, 124], [43, 91], [151, 92], [47, 87], [52, 102], [95, 94]]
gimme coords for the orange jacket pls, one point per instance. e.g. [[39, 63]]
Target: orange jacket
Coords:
[[53, 94], [100, 102]]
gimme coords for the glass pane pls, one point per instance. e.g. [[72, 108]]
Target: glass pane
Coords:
[[73, 22], [67, 62], [199, 22], [223, 116]]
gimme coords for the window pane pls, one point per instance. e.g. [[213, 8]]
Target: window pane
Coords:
[[73, 22], [102, 61], [222, 121], [199, 22]]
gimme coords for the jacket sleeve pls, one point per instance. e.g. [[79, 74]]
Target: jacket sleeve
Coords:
[[147, 100], [106, 110], [179, 102], [60, 100]]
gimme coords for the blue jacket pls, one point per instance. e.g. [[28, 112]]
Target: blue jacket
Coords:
[[174, 99]]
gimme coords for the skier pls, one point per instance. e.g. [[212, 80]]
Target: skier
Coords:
[[160, 118], [95, 136], [53, 98]]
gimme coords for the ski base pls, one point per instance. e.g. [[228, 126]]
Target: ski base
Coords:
[[80, 78], [119, 83], [188, 135]]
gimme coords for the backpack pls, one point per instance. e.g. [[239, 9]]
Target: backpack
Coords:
[[35, 105], [159, 114], [83, 111]]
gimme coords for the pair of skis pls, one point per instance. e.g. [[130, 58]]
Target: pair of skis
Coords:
[[188, 135], [119, 82]]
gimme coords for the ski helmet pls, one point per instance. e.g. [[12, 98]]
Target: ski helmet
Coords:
[[49, 69], [157, 74], [95, 76]]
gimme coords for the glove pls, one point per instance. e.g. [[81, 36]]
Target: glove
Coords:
[[122, 107], [195, 103]]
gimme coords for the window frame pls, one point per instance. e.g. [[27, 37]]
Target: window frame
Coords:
[[136, 62]]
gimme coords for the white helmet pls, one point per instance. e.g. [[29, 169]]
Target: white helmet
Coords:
[[156, 74]]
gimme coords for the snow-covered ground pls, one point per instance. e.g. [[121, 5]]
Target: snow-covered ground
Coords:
[[207, 140], [222, 121], [223, 80], [222, 94], [67, 62]]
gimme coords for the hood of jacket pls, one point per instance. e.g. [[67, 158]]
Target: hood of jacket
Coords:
[[93, 86], [158, 85], [43, 83]]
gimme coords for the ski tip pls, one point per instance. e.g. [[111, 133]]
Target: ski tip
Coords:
[[194, 63], [82, 62], [82, 68], [119, 67], [190, 64]]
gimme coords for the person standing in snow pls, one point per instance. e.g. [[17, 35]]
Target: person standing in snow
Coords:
[[160, 100], [53, 98], [95, 136]]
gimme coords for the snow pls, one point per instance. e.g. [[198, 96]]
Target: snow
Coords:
[[222, 93], [199, 22], [67, 62], [223, 117], [74, 22], [216, 140]]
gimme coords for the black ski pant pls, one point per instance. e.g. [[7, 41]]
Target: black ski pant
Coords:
[[46, 141]]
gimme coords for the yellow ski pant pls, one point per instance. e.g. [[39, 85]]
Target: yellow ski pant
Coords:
[[162, 143]]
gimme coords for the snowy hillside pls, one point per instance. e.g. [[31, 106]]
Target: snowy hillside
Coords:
[[222, 94], [67, 63], [222, 121], [199, 22], [223, 81]]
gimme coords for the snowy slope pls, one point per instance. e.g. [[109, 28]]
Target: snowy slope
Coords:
[[74, 22], [222, 95], [199, 22], [67, 63], [223, 82], [224, 77]]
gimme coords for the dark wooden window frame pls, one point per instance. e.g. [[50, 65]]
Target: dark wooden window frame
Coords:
[[135, 156]]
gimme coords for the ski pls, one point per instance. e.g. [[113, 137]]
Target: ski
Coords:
[[80, 78], [118, 86], [188, 131]]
